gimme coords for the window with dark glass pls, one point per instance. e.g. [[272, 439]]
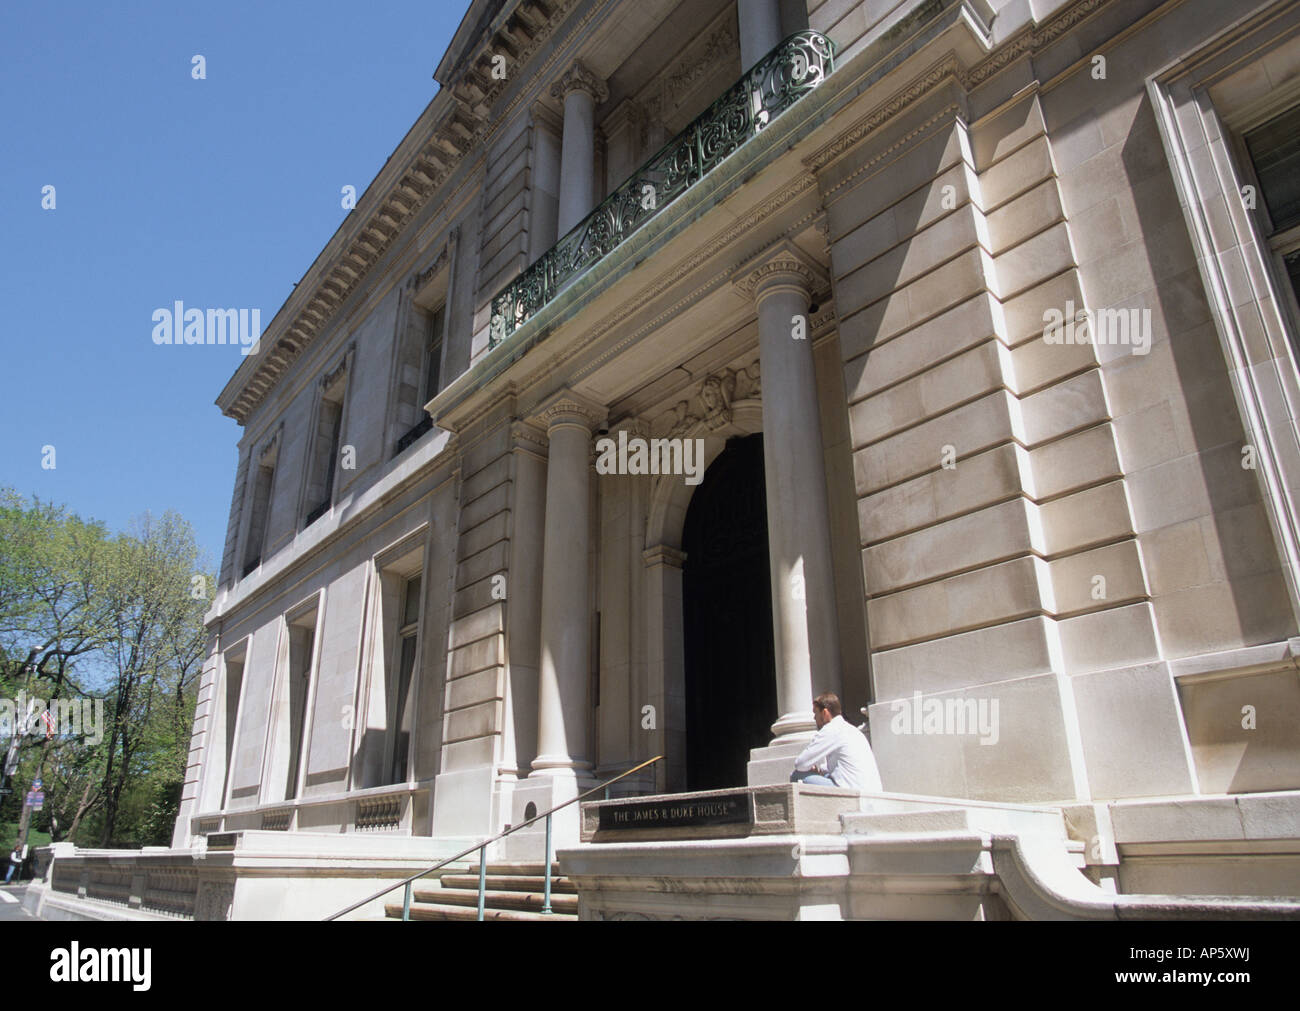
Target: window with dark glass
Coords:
[[234, 687], [426, 333], [1274, 149], [403, 668], [302, 634], [433, 355], [260, 505], [325, 450]]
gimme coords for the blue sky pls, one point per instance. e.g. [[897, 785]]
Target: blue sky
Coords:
[[217, 192]]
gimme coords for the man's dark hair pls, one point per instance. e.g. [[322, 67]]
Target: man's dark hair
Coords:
[[828, 701]]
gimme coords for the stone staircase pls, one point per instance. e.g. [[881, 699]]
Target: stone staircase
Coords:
[[514, 891], [810, 852]]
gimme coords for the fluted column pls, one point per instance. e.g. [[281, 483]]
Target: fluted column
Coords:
[[580, 90], [760, 29], [798, 521], [564, 670]]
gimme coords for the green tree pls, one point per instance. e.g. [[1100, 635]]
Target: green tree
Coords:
[[114, 620], [155, 654]]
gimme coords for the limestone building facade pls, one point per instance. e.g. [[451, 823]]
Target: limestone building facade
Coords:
[[981, 315]]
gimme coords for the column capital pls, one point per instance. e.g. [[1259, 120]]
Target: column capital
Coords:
[[565, 408], [579, 77], [783, 266]]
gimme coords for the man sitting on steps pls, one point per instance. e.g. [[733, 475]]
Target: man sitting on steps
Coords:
[[839, 754]]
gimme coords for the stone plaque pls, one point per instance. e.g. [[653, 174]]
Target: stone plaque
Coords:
[[684, 812]]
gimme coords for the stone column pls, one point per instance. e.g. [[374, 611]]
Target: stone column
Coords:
[[524, 594], [565, 665], [798, 521], [580, 90], [760, 29]]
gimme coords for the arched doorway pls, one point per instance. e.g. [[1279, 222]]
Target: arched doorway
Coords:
[[727, 619]]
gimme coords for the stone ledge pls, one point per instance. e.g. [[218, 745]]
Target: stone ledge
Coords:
[[1257, 816]]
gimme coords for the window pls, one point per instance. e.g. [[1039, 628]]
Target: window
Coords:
[[263, 481], [399, 689], [433, 356], [386, 728], [1274, 150], [234, 686], [302, 634], [426, 336], [324, 449]]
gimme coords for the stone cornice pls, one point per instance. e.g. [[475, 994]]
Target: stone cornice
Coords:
[[945, 69], [458, 121], [579, 77], [576, 360], [527, 436], [949, 67], [1031, 39]]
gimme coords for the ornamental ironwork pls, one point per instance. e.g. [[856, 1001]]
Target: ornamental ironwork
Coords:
[[776, 82]]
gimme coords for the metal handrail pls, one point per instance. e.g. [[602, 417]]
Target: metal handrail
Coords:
[[482, 847]]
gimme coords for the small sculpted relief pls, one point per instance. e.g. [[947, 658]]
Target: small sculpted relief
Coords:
[[713, 400]]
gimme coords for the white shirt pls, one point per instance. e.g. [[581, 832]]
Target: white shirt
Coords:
[[842, 749]]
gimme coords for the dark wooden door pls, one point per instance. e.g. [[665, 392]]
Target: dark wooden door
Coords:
[[727, 619]]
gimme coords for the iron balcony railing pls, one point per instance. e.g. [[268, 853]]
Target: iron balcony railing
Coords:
[[776, 82]]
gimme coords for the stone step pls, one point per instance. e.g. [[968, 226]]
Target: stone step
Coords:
[[536, 869], [909, 822], [435, 911], [531, 901], [510, 883]]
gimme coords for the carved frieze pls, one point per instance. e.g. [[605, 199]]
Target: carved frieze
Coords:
[[673, 88], [712, 400]]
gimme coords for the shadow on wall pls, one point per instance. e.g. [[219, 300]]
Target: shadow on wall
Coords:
[[1251, 582]]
